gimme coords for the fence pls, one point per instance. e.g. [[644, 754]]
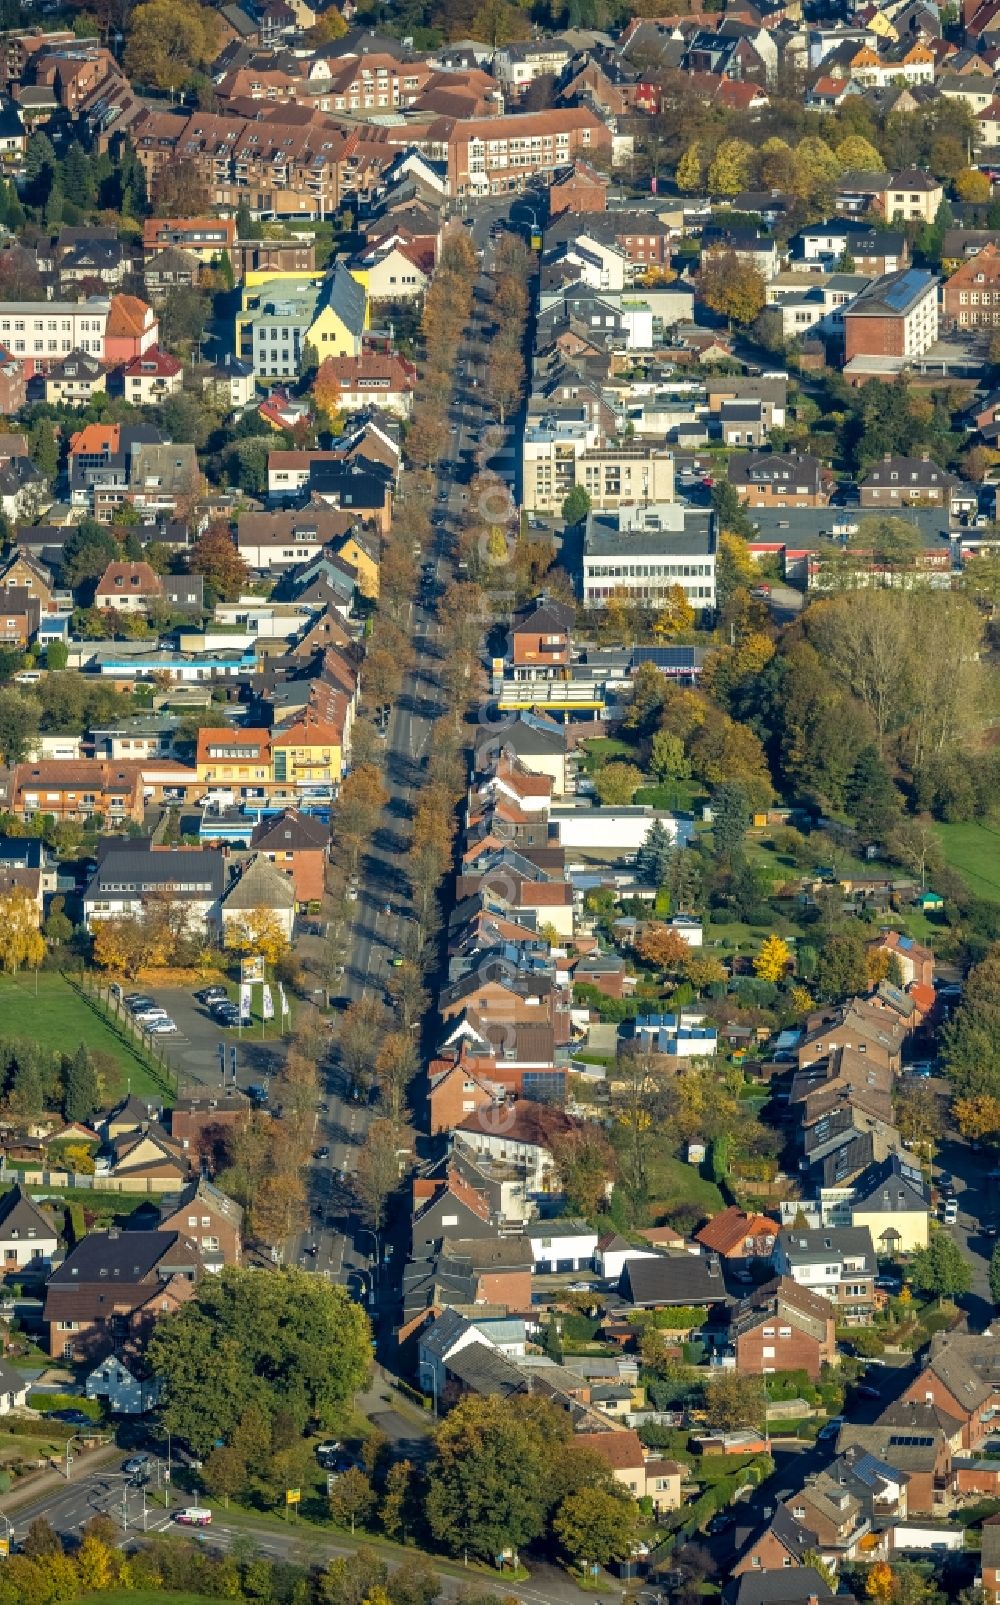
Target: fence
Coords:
[[63, 1180], [108, 1006]]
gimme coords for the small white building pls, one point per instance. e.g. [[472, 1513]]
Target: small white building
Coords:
[[13, 1389], [561, 1245], [613, 1254], [127, 1393], [28, 1240], [621, 830]]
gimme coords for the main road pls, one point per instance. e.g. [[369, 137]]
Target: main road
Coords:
[[337, 1242]]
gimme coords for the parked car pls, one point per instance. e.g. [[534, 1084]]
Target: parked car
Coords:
[[212, 994], [865, 1390], [323, 1152], [162, 1026], [137, 1001], [72, 1418]]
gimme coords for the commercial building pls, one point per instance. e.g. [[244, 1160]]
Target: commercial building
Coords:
[[896, 316], [647, 551]]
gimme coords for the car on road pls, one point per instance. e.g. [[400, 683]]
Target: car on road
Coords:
[[830, 1429], [865, 1390], [989, 1228], [135, 1463], [194, 1516], [889, 1284], [720, 1523], [580, 1287], [257, 1093], [323, 1152], [950, 1215]]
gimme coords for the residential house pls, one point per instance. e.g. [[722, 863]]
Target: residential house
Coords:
[[519, 1133], [128, 587], [912, 196], [298, 845], [989, 1558], [783, 1327], [970, 298], [211, 1220], [452, 1331], [372, 378], [614, 1252], [561, 1245], [734, 1235], [127, 1388], [494, 155], [169, 270], [20, 617], [259, 890], [779, 479], [75, 379], [858, 1025], [839, 1263], [781, 1542], [892, 1200], [896, 317], [113, 1286], [281, 316], [151, 377], [77, 790], [915, 960], [14, 1384], [132, 329], [642, 1472], [578, 188], [28, 1239], [151, 1156], [673, 1278], [906, 482], [961, 1375], [832, 1506]]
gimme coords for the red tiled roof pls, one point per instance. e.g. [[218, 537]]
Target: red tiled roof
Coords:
[[127, 316]]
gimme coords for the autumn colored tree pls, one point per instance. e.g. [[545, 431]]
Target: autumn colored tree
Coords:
[[120, 945], [257, 931], [662, 947], [395, 1066], [702, 970], [378, 1167], [22, 945], [973, 187], [729, 171], [215, 556], [977, 1117], [732, 288], [355, 813], [689, 175], [585, 1162], [772, 962], [616, 783], [675, 614], [168, 40]]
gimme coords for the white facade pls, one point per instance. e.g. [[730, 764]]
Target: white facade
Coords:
[[610, 1262], [49, 330], [553, 1250], [19, 1250], [619, 829]]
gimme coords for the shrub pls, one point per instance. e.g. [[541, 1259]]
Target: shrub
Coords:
[[47, 1402]]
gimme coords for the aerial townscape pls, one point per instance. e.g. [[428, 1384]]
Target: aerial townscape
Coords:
[[499, 802]]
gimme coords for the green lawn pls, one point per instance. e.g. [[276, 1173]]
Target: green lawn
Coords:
[[602, 749], [974, 850], [57, 1017], [146, 1596], [673, 1182]]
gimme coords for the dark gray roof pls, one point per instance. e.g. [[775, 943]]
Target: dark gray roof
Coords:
[[20, 1218], [124, 1257], [892, 1186], [793, 1585], [674, 1279], [483, 1369], [198, 875], [805, 1245]]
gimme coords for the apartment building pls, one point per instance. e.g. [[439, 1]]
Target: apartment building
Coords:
[[971, 296], [494, 155], [560, 452], [38, 333], [896, 316], [837, 1262], [281, 315]]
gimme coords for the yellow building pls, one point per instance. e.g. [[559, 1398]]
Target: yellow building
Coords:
[[233, 759], [363, 556], [891, 1199], [281, 313], [309, 752]]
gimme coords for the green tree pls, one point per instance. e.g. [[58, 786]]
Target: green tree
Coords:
[[730, 820], [941, 1268], [20, 716], [667, 758], [872, 797], [287, 1342], [56, 655], [352, 1498], [597, 1525], [995, 1273], [81, 1096], [576, 505], [87, 551], [490, 1481], [653, 858], [842, 965], [43, 448]]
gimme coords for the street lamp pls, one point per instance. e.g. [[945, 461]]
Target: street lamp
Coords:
[[368, 1232], [69, 1460]]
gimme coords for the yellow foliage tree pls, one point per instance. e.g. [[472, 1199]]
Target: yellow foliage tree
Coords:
[[688, 176], [801, 1001], [675, 615], [21, 942], [257, 931], [95, 1565], [978, 1116], [773, 959], [880, 1584], [120, 945], [877, 964]]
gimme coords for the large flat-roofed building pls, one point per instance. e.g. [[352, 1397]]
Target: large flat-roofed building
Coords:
[[647, 551], [896, 316]]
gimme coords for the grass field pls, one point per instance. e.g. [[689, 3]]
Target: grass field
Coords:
[[56, 1017], [974, 850], [673, 1182], [146, 1596]]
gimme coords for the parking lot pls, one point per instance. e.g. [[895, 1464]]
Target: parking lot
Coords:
[[193, 1050]]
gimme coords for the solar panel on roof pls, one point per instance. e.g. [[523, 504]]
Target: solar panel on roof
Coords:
[[664, 657]]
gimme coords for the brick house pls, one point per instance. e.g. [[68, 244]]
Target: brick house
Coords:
[[488, 1270], [971, 296], [779, 1544], [783, 1327], [858, 1025], [779, 479], [195, 1122], [209, 1219], [896, 316], [543, 636], [915, 960], [494, 155], [298, 845], [962, 1376], [20, 616], [578, 188], [112, 1288]]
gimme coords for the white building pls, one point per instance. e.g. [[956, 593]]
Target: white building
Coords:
[[620, 830], [127, 883], [46, 330], [647, 551], [561, 1245]]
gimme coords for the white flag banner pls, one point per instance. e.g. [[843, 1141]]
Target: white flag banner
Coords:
[[285, 1010], [268, 1003], [245, 1004]]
